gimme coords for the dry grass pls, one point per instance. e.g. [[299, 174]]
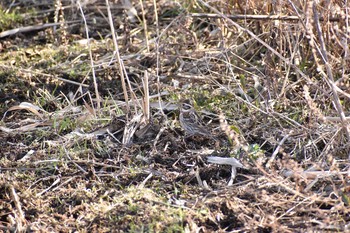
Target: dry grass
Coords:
[[90, 135]]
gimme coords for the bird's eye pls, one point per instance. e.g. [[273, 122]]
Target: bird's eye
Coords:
[[186, 106]]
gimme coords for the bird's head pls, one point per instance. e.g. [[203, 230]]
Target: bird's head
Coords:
[[186, 105]]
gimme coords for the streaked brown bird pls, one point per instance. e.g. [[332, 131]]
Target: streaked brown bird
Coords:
[[190, 121]]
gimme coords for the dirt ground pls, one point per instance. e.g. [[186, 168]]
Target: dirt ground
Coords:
[[90, 134]]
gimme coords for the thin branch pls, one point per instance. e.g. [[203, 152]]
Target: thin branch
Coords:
[[329, 77], [258, 17], [31, 28], [91, 59], [116, 51]]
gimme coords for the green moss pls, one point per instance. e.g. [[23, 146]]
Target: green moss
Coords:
[[8, 20]]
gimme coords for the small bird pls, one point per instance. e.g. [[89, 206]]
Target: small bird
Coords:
[[190, 121]]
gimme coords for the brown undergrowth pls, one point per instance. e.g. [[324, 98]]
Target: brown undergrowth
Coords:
[[90, 132]]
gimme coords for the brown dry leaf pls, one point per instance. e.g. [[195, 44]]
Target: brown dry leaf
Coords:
[[24, 128], [27, 106]]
